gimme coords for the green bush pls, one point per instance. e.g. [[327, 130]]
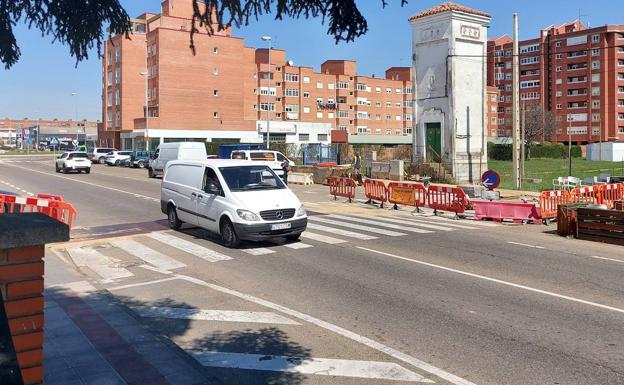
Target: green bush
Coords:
[[540, 150]]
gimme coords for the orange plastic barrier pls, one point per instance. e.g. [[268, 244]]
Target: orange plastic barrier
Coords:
[[408, 194], [611, 193], [448, 199], [52, 197], [375, 190], [588, 194], [59, 210], [549, 200], [342, 187]]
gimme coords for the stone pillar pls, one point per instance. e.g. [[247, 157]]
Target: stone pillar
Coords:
[[449, 60], [22, 248]]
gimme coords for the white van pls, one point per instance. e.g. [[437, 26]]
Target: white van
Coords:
[[240, 200], [167, 152], [273, 159]]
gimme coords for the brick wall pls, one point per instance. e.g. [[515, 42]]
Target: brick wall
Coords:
[[21, 283]]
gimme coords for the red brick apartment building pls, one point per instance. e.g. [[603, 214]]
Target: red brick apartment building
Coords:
[[226, 91], [568, 71]]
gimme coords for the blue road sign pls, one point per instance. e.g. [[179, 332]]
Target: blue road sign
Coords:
[[54, 140], [490, 179]]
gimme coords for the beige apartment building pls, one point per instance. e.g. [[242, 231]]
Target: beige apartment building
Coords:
[[226, 91]]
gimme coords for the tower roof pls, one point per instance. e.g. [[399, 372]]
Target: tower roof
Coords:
[[448, 6]]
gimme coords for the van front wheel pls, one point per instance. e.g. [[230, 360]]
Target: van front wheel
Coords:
[[228, 234]]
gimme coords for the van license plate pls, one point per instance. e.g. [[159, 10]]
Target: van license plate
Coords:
[[280, 226]]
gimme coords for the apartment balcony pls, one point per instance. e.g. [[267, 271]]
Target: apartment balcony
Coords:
[[153, 122]]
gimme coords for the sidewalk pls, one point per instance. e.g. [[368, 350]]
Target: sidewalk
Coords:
[[91, 339]]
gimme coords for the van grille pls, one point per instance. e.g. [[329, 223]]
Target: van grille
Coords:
[[277, 215]]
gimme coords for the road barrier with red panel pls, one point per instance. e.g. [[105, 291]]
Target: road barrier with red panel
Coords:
[[59, 210], [408, 194], [341, 187], [52, 197], [447, 199], [589, 194], [611, 193], [549, 200], [375, 190]]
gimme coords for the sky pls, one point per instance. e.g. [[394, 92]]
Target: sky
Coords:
[[41, 84]]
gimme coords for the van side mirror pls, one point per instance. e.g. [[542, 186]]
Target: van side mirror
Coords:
[[212, 188]]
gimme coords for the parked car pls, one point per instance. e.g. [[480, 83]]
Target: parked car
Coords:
[[113, 158], [240, 200], [98, 154], [139, 159], [273, 159], [73, 161], [167, 152]]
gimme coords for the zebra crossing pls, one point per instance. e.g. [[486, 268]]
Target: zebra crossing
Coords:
[[114, 259]]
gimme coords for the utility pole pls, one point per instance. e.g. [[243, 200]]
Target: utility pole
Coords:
[[570, 144], [515, 153], [522, 141], [268, 120]]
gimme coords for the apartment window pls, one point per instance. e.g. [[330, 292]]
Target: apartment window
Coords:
[[362, 115], [508, 65], [408, 90], [388, 90], [398, 91], [117, 98], [595, 117], [595, 38], [109, 79], [291, 77], [620, 102], [408, 117], [377, 116], [508, 52], [595, 64], [109, 98], [306, 94], [319, 85], [360, 86], [215, 50], [267, 107], [397, 104], [398, 131], [304, 137], [388, 131], [343, 128], [501, 121], [558, 44], [117, 75], [291, 108], [378, 90], [500, 76], [266, 91], [388, 117], [215, 92], [595, 78], [377, 104], [215, 115], [558, 93], [306, 79], [529, 48], [293, 92], [278, 114], [278, 69], [330, 115], [621, 130], [306, 110], [508, 76], [558, 106], [620, 75], [110, 56], [117, 54], [595, 91], [558, 69], [362, 130], [330, 86], [117, 118], [215, 71], [620, 62], [621, 89], [501, 98], [388, 104], [343, 85], [595, 52], [109, 117], [558, 56], [493, 120], [529, 96], [410, 103], [378, 131], [530, 84], [343, 114], [530, 60], [319, 115], [595, 103], [558, 81]]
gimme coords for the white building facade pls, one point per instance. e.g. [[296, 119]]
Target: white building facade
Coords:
[[449, 44]]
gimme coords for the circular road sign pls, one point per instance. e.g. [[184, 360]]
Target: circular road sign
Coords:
[[490, 179]]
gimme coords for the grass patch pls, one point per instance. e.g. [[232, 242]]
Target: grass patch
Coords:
[[549, 169]]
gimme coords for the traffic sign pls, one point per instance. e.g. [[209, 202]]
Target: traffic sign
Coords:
[[54, 140], [490, 179], [75, 142]]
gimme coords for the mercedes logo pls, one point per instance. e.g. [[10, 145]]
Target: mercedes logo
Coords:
[[279, 215]]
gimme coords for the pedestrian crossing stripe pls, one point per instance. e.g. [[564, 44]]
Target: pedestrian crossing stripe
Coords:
[[106, 268], [328, 220], [382, 224], [189, 247]]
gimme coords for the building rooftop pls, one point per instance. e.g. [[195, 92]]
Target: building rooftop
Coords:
[[448, 6]]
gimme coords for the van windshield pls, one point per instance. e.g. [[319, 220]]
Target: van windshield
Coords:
[[246, 178]]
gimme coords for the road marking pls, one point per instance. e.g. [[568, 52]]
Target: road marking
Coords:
[[338, 330], [472, 222], [346, 233], [377, 223], [525, 245], [99, 263], [213, 315], [189, 247], [316, 366], [421, 219], [147, 254], [322, 238], [607, 259], [91, 184], [356, 226], [495, 280], [298, 245], [131, 285], [412, 223], [77, 287], [258, 251]]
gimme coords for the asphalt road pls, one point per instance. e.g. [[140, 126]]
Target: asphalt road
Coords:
[[463, 303]]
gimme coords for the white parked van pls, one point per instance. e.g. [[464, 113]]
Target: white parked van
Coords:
[[240, 200], [273, 159], [167, 152]]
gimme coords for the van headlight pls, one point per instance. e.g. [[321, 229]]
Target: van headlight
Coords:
[[301, 211], [247, 215]]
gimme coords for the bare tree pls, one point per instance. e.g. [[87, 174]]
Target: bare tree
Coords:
[[83, 27], [539, 125]]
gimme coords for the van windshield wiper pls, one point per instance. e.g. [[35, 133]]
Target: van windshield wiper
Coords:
[[261, 185]]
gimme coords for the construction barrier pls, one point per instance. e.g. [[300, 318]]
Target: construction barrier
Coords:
[[375, 190], [588, 195], [611, 193], [341, 187], [301, 178], [57, 209], [519, 212], [408, 194], [48, 210], [447, 199], [549, 200]]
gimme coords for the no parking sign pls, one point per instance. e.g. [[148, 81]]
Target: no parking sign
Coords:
[[490, 179]]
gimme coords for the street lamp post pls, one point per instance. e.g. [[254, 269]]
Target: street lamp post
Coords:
[[146, 135], [74, 94], [268, 39]]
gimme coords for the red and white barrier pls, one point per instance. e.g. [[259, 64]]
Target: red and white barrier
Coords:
[[447, 199], [55, 208], [342, 187], [375, 190]]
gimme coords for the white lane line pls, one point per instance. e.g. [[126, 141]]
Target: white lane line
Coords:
[[346, 233], [396, 354], [213, 315], [525, 245], [382, 224], [189, 247], [298, 245], [91, 184], [423, 219], [131, 285], [258, 251], [410, 223], [147, 254], [316, 366], [495, 280], [321, 238], [606, 259], [107, 268], [471, 222], [369, 229]]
